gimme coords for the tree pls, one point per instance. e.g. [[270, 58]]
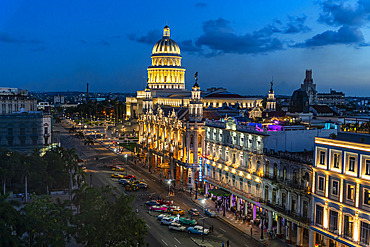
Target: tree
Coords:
[[46, 223], [89, 141], [80, 135], [72, 129], [69, 158], [106, 219], [11, 223]]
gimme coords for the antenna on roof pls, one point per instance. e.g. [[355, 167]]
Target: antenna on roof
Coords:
[[143, 81]]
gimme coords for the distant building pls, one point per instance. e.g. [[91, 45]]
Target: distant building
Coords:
[[58, 100], [271, 100], [299, 102], [166, 83], [22, 127], [310, 88], [332, 98], [25, 131], [14, 99], [323, 111]]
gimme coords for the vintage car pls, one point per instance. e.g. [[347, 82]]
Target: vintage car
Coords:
[[210, 213], [198, 230]]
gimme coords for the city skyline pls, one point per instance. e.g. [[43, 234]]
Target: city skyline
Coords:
[[60, 46]]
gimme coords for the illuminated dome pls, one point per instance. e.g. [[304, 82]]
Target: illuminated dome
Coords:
[[166, 71], [166, 45]]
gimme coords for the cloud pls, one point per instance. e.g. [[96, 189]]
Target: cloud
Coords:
[[5, 37], [150, 38], [334, 14], [345, 35], [219, 37], [296, 25], [200, 5], [187, 45]]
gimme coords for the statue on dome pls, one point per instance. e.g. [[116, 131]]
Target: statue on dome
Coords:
[[196, 76]]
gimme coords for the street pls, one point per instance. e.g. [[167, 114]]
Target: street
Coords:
[[158, 235]]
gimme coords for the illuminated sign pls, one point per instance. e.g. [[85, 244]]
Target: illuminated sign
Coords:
[[200, 169]]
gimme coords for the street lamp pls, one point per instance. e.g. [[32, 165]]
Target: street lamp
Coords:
[[169, 187], [118, 148], [109, 142], [203, 203], [95, 133], [126, 163]]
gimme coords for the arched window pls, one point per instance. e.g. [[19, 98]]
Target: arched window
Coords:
[[275, 170]]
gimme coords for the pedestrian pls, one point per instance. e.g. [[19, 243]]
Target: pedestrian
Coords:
[[251, 231], [191, 216], [212, 228], [227, 243], [222, 244]]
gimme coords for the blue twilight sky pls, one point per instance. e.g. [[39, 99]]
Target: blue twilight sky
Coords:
[[240, 45]]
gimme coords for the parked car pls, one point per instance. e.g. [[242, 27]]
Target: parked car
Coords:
[[158, 208], [151, 203], [177, 211], [210, 213], [176, 227], [193, 211], [164, 202], [116, 175], [166, 221], [118, 169], [142, 185], [130, 176], [131, 187], [198, 230], [188, 221], [123, 182], [159, 217]]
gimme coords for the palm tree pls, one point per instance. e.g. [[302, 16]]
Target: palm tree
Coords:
[[80, 135], [70, 159], [72, 129], [26, 172], [89, 141]]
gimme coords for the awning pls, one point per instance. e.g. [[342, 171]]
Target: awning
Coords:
[[219, 192], [335, 237]]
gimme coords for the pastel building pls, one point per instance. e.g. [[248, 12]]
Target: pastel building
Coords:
[[341, 193]]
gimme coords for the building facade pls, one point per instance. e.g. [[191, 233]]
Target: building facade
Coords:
[[341, 193], [333, 98]]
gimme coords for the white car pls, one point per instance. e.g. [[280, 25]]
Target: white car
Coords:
[[159, 217], [176, 227], [198, 230], [166, 221]]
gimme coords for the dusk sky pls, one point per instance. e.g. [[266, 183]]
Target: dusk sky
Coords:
[[239, 45]]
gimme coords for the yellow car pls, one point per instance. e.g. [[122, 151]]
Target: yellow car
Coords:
[[118, 169], [136, 182], [177, 211], [116, 175]]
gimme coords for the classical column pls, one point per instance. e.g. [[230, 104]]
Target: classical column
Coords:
[[270, 220], [245, 208], [254, 212], [310, 238], [230, 201], [299, 236], [237, 203], [288, 232], [278, 227]]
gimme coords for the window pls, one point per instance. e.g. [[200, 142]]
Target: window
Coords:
[[34, 131], [335, 188], [367, 168], [348, 226], [322, 158], [333, 222], [321, 183], [336, 161], [10, 131], [22, 131], [350, 190], [364, 234], [351, 165], [366, 197], [10, 142], [319, 214]]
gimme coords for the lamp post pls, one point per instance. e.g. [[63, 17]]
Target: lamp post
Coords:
[[203, 203], [126, 163], [169, 187], [95, 133], [118, 148], [196, 189], [109, 142]]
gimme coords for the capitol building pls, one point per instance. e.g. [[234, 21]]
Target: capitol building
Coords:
[[166, 84]]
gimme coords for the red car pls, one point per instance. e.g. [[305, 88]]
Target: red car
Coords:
[[129, 177], [163, 202]]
